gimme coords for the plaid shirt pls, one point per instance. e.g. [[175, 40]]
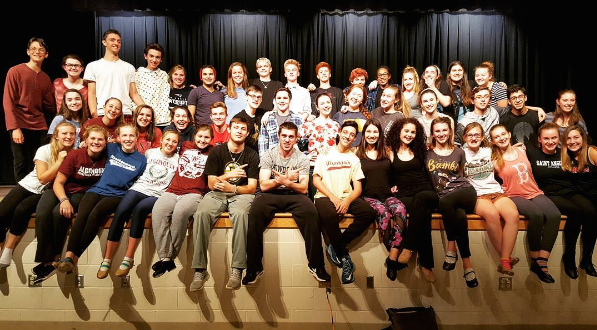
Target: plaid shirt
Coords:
[[268, 134]]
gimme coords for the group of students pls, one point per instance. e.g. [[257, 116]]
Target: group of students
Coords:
[[375, 152]]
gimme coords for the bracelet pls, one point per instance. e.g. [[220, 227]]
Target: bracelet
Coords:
[[235, 189], [63, 199]]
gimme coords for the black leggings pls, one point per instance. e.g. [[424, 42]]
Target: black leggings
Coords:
[[580, 211], [93, 210], [454, 207], [51, 227], [15, 211], [364, 216], [417, 235], [137, 204]]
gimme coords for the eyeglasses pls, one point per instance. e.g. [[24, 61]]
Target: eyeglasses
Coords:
[[73, 66], [35, 50], [482, 97], [473, 135], [516, 98], [258, 97], [383, 74]]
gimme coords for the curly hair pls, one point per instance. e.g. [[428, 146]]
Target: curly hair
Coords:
[[418, 146]]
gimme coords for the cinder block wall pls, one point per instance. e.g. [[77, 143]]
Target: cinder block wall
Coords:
[[287, 297]]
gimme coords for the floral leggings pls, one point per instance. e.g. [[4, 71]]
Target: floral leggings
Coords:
[[391, 235]]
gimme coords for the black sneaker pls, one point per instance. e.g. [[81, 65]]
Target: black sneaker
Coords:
[[163, 267], [45, 273], [347, 270], [320, 274], [252, 277]]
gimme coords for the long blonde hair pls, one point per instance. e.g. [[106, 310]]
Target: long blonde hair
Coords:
[[567, 155], [245, 84], [496, 152], [55, 145]]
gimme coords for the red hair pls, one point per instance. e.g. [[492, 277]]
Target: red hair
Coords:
[[358, 72]]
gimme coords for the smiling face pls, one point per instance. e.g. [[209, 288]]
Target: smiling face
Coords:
[[549, 140], [359, 80], [254, 99], [127, 138], [287, 139], [347, 136], [441, 132], [355, 98], [282, 101], [37, 53], [208, 77], [388, 99], [324, 74], [324, 105], [567, 102], [238, 75], [264, 69], [456, 73], [179, 78], [66, 136], [517, 100], [96, 142], [144, 118], [113, 109], [153, 58], [473, 138], [112, 43], [73, 68], [383, 76], [408, 81], [408, 133], [180, 119], [500, 137], [218, 116], [574, 141], [73, 101], [481, 100], [169, 143], [371, 134], [430, 73], [238, 132], [291, 72], [429, 102], [202, 138], [482, 76]]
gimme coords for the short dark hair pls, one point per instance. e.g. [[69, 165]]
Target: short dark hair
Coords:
[[154, 46], [516, 88], [288, 125], [40, 41], [239, 120], [350, 123], [283, 89], [110, 31]]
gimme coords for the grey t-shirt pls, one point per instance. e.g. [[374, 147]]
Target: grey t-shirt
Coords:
[[272, 160], [386, 120], [281, 119]]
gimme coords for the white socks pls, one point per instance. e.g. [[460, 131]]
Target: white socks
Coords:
[[6, 257]]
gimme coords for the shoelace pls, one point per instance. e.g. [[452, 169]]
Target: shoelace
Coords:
[[235, 273], [198, 276]]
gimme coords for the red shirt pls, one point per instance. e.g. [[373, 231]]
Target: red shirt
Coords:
[[60, 88], [189, 178], [98, 121], [27, 96], [219, 138], [144, 145], [82, 171]]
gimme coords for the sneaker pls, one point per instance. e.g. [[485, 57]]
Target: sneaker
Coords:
[[252, 277], [103, 270], [199, 279], [320, 274], [163, 267], [347, 270], [45, 273], [235, 279], [333, 256]]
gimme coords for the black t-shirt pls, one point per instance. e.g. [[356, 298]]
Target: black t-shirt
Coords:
[[220, 161], [523, 128], [377, 174], [254, 127], [337, 99], [547, 170], [179, 97], [268, 89], [410, 176]]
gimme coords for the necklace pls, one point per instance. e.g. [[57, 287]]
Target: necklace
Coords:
[[234, 160], [264, 84]]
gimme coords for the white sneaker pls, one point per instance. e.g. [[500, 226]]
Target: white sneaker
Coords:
[[199, 279], [234, 281]]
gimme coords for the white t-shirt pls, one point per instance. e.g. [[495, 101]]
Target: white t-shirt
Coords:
[[479, 171], [337, 170], [112, 79], [301, 100], [31, 182], [158, 173], [154, 89]]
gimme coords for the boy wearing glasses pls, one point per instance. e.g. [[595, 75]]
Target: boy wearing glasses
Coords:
[[376, 87], [519, 121], [253, 113], [483, 114], [28, 95]]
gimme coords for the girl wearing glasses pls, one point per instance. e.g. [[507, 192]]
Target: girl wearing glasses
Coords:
[[73, 67]]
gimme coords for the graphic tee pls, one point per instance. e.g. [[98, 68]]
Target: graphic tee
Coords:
[[221, 160], [337, 171], [189, 178], [272, 160], [158, 173], [479, 171], [122, 170], [81, 170]]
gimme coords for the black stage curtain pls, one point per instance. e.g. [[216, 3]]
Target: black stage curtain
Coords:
[[541, 51]]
